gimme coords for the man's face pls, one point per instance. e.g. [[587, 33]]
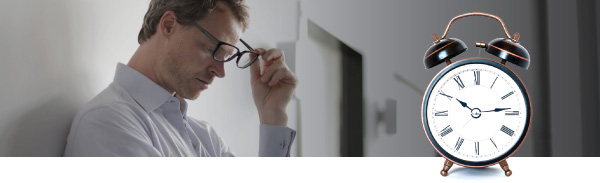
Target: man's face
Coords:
[[189, 66]]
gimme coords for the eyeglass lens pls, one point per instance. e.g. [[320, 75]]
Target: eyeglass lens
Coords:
[[246, 59], [227, 52]]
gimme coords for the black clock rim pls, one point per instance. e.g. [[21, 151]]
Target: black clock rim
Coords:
[[466, 61]]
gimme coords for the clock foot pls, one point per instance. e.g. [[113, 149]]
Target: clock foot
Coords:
[[504, 166], [447, 165]]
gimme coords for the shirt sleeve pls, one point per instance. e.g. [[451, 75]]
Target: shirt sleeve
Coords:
[[108, 132], [275, 141]]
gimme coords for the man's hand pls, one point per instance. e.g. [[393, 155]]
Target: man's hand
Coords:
[[273, 87]]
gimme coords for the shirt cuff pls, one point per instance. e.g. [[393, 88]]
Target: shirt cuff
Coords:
[[275, 141]]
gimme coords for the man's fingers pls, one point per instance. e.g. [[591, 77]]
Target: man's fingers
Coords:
[[271, 55], [273, 66], [280, 74], [255, 67], [260, 51], [268, 74]]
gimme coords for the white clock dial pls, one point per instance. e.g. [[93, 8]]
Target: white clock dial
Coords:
[[477, 112]]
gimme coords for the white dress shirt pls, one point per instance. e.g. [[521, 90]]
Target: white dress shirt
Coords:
[[134, 116]]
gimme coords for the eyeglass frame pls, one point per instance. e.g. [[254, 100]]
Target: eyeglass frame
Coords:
[[238, 54]]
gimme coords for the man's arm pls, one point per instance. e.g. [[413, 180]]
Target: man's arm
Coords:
[[108, 132], [273, 87], [272, 90]]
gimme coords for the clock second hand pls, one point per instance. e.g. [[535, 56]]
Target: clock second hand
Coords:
[[467, 122]]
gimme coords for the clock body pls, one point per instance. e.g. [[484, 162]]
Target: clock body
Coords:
[[476, 112]]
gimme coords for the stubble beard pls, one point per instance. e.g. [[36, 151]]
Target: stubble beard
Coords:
[[176, 77]]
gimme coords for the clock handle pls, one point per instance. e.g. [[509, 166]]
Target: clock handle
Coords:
[[447, 165], [504, 166], [514, 38]]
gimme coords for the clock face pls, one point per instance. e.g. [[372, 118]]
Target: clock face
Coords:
[[476, 112]]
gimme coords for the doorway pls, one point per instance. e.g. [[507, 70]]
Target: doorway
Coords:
[[331, 91]]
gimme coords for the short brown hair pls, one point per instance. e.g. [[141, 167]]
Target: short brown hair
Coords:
[[187, 11]]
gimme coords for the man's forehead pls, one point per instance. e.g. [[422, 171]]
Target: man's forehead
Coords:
[[223, 25]]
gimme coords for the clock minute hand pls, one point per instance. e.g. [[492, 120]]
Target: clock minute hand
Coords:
[[497, 110], [464, 104]]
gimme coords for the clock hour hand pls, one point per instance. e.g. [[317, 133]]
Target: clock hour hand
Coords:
[[497, 110], [464, 104]]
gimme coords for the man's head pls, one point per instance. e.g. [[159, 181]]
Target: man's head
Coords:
[[188, 11], [184, 55]]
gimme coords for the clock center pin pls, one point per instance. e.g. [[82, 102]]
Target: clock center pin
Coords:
[[476, 113]]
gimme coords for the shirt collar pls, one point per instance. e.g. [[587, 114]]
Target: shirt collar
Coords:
[[144, 91]]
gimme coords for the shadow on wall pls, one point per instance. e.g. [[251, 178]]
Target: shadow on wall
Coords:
[[39, 77], [43, 130]]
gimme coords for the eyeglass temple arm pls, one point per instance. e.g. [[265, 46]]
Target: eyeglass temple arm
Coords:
[[246, 44], [210, 36]]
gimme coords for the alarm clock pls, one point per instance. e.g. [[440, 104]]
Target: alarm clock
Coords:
[[476, 111]]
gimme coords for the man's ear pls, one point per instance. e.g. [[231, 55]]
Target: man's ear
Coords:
[[167, 23]]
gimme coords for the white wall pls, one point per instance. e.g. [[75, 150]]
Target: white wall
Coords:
[[55, 56]]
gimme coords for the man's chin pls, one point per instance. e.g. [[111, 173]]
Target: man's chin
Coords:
[[192, 95]]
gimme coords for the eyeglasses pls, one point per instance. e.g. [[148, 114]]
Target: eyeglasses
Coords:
[[225, 52]]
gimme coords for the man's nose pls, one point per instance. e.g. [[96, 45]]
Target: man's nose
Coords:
[[218, 69]]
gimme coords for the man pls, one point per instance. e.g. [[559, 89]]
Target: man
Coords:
[[183, 46]]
